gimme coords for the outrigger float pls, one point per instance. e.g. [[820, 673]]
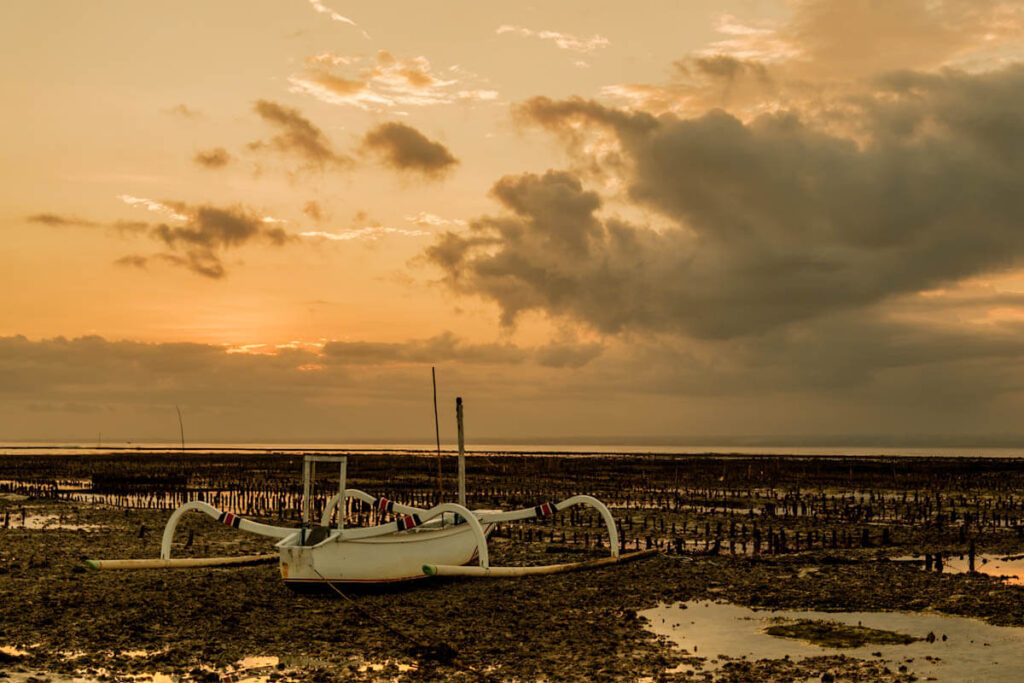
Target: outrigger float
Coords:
[[417, 543]]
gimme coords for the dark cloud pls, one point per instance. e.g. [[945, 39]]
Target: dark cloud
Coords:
[[563, 355], [128, 390], [841, 375], [404, 148], [200, 261], [184, 111], [119, 227], [336, 85], [774, 220], [313, 210], [214, 227], [217, 157], [197, 242], [57, 220], [132, 261], [447, 347], [209, 230], [129, 227], [297, 136]]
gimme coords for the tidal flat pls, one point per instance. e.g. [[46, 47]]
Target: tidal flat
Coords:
[[766, 532]]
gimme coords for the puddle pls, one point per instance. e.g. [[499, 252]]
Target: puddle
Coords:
[[13, 497], [1009, 568], [972, 650], [11, 651], [254, 669], [49, 523]]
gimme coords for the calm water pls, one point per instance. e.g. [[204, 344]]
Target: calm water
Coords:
[[971, 650], [526, 449]]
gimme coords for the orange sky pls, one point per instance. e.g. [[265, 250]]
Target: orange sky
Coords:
[[767, 218]]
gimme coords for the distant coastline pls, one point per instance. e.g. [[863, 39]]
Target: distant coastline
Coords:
[[532, 448]]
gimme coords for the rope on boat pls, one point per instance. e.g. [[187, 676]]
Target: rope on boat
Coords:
[[440, 652]]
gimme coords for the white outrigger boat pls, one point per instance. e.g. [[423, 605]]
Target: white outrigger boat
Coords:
[[415, 543]]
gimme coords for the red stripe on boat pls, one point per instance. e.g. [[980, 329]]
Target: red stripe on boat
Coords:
[[544, 510]]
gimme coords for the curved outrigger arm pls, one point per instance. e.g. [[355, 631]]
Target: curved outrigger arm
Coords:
[[382, 504], [227, 518], [542, 510], [546, 509]]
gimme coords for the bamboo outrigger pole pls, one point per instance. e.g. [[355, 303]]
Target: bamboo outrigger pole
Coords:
[[180, 562], [504, 572]]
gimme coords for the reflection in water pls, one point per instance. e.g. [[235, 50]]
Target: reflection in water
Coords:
[[50, 522], [1009, 568], [962, 649], [254, 669]]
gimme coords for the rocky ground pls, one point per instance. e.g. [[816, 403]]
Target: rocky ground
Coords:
[[60, 619]]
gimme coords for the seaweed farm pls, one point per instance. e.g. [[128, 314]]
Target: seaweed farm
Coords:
[[790, 536]]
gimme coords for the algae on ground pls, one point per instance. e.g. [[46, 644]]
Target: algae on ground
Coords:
[[836, 634]]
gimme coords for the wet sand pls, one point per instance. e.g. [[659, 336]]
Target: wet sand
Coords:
[[199, 624]]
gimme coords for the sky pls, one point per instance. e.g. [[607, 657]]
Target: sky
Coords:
[[597, 220]]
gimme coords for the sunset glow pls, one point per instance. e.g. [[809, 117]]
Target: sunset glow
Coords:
[[596, 220]]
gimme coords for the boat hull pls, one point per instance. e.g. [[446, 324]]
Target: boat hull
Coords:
[[389, 558]]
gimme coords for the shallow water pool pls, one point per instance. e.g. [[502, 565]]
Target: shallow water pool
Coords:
[[972, 650]]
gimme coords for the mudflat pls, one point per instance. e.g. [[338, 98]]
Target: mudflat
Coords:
[[766, 531]]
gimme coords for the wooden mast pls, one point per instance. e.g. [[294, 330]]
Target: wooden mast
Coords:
[[437, 433]]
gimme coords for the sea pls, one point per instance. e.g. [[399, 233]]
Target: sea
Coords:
[[524, 449]]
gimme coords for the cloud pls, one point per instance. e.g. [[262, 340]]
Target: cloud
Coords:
[[447, 347], [406, 149], [152, 205], [56, 220], [478, 95], [826, 51], [565, 355], [323, 9], [748, 42], [197, 236], [132, 260], [371, 232], [313, 210], [857, 39], [218, 228], [184, 111], [385, 82], [433, 220], [564, 41], [770, 222], [817, 377], [217, 157], [297, 136], [71, 388]]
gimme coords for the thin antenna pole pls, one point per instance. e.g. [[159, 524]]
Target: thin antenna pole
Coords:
[[437, 433], [462, 452], [181, 427]]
